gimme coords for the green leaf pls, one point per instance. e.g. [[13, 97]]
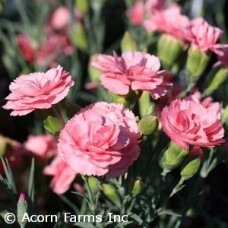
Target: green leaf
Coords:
[[137, 218], [31, 180], [9, 175]]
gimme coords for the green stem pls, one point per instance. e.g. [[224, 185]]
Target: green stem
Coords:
[[58, 112], [90, 194]]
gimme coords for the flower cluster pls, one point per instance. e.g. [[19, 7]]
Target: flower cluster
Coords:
[[56, 42], [103, 139], [170, 21]]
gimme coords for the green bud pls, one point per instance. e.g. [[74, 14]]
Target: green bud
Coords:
[[21, 209], [82, 6], [173, 157], [196, 63], [225, 115], [148, 124], [80, 39], [137, 188], [111, 193], [94, 74], [93, 184], [169, 49], [128, 43], [3, 144], [52, 125], [146, 107], [219, 77], [97, 5], [190, 167], [128, 100]]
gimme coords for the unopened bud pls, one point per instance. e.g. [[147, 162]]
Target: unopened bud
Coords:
[[80, 37], [219, 77], [190, 167], [196, 63], [93, 184], [148, 125], [169, 49], [82, 6], [94, 74], [146, 107], [111, 193], [128, 100], [21, 209], [173, 157], [3, 144], [128, 43], [137, 188]]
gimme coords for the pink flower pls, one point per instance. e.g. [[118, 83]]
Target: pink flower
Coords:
[[188, 122], [63, 175], [214, 108], [204, 36], [102, 139], [152, 5], [54, 46], [43, 146], [170, 21], [140, 9], [222, 56], [133, 70], [25, 47], [136, 13], [38, 91], [60, 18]]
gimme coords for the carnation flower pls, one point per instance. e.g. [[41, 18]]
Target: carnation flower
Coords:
[[63, 175], [43, 146], [188, 122], [60, 18], [54, 46], [204, 36], [102, 139], [38, 91], [136, 13], [139, 9], [170, 21], [132, 71]]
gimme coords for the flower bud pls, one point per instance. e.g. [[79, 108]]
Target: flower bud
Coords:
[[128, 43], [52, 125], [225, 115], [3, 144], [111, 193], [219, 77], [94, 74], [148, 125], [128, 100], [196, 63], [80, 37], [82, 6], [190, 167], [93, 184], [137, 188], [173, 157], [169, 49], [146, 107], [21, 209]]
